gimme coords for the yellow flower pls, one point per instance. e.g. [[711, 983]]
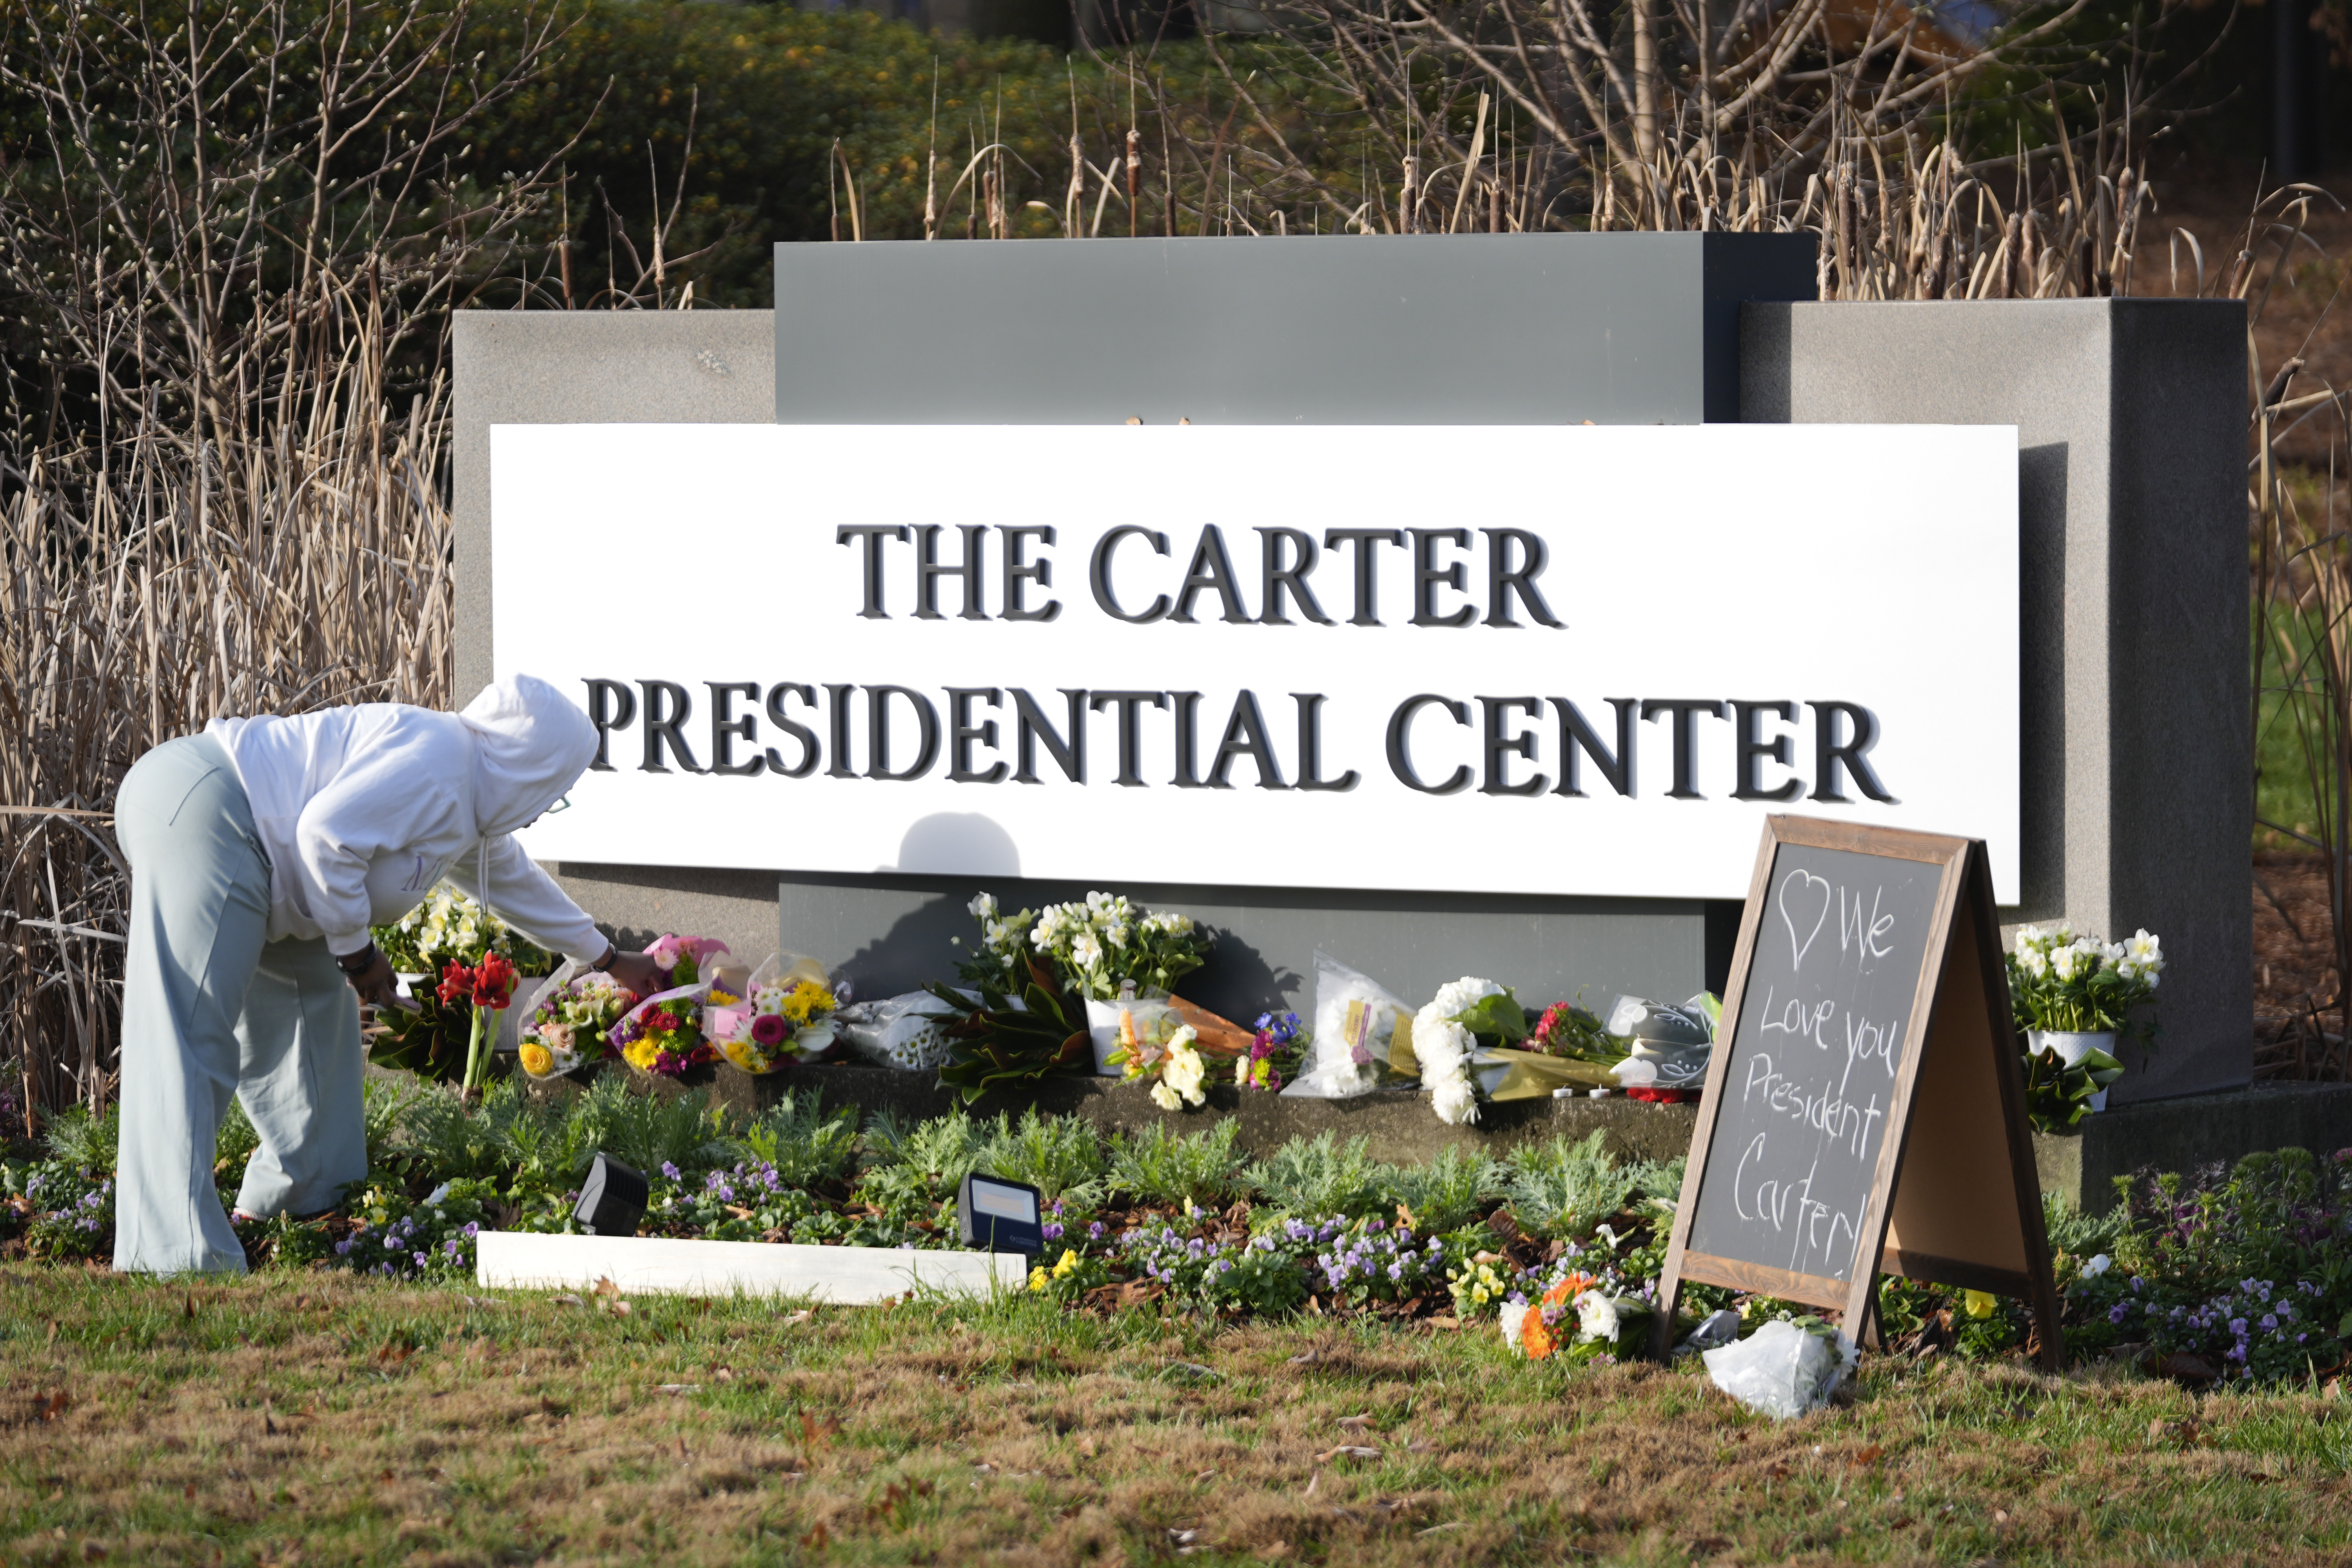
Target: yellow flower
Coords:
[[807, 1000], [1037, 1278], [640, 1053], [1980, 1303], [1069, 1261], [722, 997], [537, 1060]]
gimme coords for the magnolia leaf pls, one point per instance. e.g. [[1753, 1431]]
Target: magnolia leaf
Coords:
[[1499, 1017]]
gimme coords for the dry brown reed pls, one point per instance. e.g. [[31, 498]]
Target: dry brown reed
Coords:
[[1869, 124], [229, 246], [2302, 571]]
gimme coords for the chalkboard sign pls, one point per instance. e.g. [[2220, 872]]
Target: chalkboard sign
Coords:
[[1864, 1110]]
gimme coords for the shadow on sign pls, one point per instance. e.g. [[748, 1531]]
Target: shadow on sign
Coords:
[[951, 843]]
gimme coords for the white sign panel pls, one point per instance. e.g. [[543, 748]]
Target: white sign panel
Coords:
[[1510, 660]]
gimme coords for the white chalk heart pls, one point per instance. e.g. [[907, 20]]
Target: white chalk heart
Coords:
[[1799, 945]]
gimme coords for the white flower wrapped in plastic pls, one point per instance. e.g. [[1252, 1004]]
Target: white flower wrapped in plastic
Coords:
[[1442, 1046]]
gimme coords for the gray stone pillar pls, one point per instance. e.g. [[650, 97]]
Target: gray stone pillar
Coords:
[[2131, 418]]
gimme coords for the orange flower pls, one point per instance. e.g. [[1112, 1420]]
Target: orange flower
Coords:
[[1533, 1337], [1567, 1290]]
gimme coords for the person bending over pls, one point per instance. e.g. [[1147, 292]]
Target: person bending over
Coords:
[[261, 850]]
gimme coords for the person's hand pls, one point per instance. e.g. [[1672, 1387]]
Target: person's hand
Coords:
[[638, 973], [376, 983]]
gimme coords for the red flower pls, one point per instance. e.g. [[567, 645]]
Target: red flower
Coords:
[[457, 983], [660, 1021], [494, 983], [768, 1029]]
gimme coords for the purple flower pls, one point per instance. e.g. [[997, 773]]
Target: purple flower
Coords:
[[669, 1170], [1094, 1231], [1052, 1232]]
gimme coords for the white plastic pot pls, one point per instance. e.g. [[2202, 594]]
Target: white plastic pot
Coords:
[[2073, 1047]]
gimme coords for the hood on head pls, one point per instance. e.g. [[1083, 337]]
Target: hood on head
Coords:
[[532, 743]]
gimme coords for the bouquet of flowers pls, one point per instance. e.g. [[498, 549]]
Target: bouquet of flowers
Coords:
[[2062, 984], [1278, 1044], [1443, 1040], [1588, 1317], [485, 988], [784, 1013], [663, 1034], [2073, 998], [1174, 1064], [448, 927], [1094, 945], [570, 1024]]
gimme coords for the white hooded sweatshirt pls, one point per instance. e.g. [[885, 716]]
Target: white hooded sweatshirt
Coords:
[[363, 809]]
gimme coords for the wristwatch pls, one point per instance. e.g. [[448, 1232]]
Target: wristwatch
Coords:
[[357, 963], [605, 964]]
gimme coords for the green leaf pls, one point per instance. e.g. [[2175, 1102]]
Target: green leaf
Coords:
[[1500, 1018]]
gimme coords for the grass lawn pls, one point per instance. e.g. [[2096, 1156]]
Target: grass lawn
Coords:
[[320, 1418]]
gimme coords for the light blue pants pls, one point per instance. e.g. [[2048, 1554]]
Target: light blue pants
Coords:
[[210, 1008]]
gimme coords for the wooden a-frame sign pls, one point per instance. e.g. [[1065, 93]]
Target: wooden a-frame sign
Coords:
[[1864, 1111]]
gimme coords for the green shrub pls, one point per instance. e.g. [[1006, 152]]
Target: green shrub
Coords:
[[1061, 1156], [1161, 1166], [804, 1145], [1325, 1176], [1565, 1187], [1448, 1192], [84, 1141]]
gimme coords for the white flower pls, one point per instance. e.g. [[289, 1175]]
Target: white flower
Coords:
[[2097, 1266], [2066, 961], [982, 906], [1085, 952], [2145, 951], [1439, 1044], [1514, 1317], [1455, 1101], [1459, 997], [1116, 934], [1164, 1096], [1184, 1069], [1596, 1316], [2032, 960]]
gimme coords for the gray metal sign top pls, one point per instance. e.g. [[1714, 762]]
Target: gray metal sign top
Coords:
[[1523, 328]]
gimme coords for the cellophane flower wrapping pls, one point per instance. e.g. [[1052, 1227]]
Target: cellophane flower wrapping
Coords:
[[784, 1013], [1362, 1032], [1171, 1060], [569, 1024], [663, 1034]]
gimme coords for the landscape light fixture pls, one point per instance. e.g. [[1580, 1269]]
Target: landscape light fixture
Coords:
[[613, 1198], [997, 1215]]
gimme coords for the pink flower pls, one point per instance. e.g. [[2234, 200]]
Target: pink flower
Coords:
[[671, 948], [768, 1029]]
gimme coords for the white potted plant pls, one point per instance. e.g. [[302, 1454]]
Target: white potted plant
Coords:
[[2074, 998]]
